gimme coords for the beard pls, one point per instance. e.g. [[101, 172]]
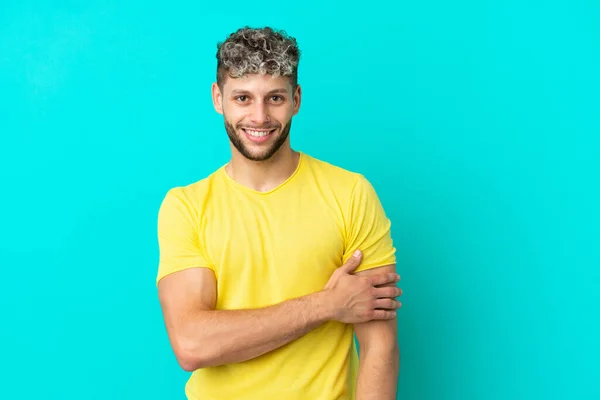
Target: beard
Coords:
[[263, 154]]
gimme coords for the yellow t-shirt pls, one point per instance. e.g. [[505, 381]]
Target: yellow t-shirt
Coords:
[[265, 248]]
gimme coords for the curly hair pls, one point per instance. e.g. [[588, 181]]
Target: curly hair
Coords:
[[258, 51]]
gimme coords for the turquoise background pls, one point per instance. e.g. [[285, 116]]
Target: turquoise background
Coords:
[[476, 121]]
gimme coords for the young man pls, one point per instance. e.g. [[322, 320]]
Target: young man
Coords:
[[260, 291]]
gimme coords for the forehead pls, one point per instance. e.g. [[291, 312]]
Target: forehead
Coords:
[[257, 84]]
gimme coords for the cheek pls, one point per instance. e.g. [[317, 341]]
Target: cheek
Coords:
[[284, 116], [233, 117]]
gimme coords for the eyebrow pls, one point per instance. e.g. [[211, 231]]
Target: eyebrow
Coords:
[[274, 91]]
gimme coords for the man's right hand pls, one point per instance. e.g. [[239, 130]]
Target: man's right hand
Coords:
[[356, 299]]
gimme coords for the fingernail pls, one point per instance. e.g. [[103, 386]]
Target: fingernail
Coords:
[[357, 253]]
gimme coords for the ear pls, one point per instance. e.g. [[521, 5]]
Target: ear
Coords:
[[297, 99], [217, 98]]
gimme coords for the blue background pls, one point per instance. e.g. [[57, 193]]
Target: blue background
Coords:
[[476, 121]]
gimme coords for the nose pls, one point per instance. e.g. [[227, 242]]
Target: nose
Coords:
[[260, 114]]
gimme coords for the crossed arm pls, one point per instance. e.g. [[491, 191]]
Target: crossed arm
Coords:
[[379, 364], [204, 337], [188, 299]]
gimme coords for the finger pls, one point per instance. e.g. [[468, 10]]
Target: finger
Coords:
[[384, 279], [353, 262], [384, 314], [388, 304], [388, 291]]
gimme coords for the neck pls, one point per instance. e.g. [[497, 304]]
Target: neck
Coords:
[[263, 176]]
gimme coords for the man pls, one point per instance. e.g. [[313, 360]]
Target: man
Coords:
[[260, 291]]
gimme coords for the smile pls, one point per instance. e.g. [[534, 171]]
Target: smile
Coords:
[[258, 133]]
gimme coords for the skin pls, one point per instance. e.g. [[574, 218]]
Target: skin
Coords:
[[379, 364], [202, 336], [261, 102]]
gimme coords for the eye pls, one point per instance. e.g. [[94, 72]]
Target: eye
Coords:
[[242, 98], [277, 99]]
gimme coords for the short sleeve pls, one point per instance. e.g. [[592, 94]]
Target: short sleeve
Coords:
[[367, 228], [178, 240]]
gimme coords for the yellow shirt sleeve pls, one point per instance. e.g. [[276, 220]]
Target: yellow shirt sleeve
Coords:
[[178, 239], [367, 228]]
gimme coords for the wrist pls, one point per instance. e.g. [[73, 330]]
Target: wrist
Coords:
[[320, 304]]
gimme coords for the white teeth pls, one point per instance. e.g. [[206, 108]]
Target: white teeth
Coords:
[[257, 133]]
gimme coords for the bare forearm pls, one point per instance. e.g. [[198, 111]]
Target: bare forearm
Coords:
[[216, 337], [378, 374]]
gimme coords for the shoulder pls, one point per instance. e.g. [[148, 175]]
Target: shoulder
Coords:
[[340, 178], [351, 189], [347, 185], [191, 196]]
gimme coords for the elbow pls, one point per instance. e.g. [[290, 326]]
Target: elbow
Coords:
[[193, 356], [187, 362]]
